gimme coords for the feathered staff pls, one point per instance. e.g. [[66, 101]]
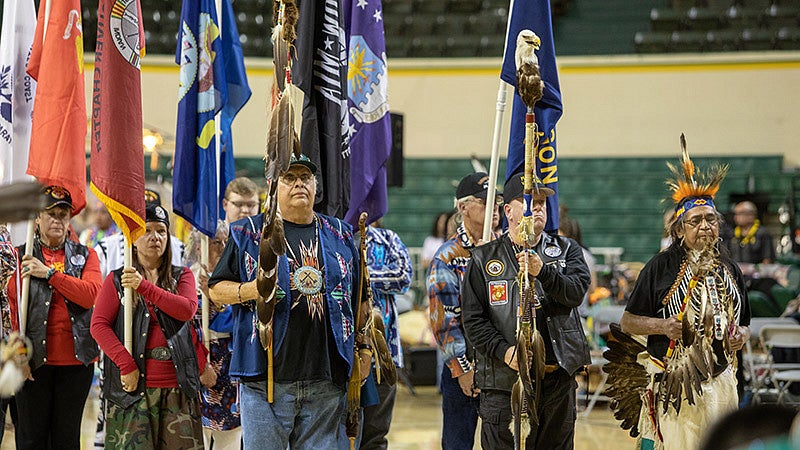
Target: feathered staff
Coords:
[[281, 142], [530, 349]]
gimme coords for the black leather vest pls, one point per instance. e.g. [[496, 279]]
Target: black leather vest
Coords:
[[564, 335], [179, 339], [41, 293]]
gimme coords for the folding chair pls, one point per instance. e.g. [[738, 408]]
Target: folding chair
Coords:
[[601, 318], [782, 374]]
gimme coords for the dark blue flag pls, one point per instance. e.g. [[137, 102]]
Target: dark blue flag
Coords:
[[238, 91], [201, 94], [535, 15], [320, 71], [370, 129]]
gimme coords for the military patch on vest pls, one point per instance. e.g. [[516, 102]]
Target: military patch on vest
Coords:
[[498, 292], [77, 260], [495, 267], [552, 251]]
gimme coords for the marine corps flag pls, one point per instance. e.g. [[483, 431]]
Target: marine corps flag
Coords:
[[535, 15], [201, 95], [57, 152], [321, 73], [117, 159]]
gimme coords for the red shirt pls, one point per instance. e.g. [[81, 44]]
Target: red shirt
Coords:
[[181, 306], [81, 291]]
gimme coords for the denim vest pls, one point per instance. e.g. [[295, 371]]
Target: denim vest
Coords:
[[179, 339], [341, 275], [41, 295]]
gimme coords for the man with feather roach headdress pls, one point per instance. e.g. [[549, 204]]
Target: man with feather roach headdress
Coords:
[[691, 303], [543, 402]]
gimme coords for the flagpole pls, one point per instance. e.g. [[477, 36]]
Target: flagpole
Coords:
[[495, 161], [204, 308], [128, 300], [26, 281], [498, 125]]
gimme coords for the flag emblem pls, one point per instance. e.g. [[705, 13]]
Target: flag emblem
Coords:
[[367, 82], [188, 61], [124, 24]]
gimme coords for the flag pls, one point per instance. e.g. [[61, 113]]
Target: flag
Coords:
[[117, 157], [535, 15], [17, 91], [321, 73], [201, 94], [370, 130], [58, 148], [238, 94]]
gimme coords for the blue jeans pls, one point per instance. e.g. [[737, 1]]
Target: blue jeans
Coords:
[[304, 414], [460, 414]]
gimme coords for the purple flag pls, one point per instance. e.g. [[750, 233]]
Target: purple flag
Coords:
[[370, 129]]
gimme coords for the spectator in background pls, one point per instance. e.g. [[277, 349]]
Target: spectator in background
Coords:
[[750, 243], [570, 228], [390, 273], [459, 395], [436, 238], [241, 199], [102, 225]]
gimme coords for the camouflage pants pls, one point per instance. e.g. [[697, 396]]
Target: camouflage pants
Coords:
[[163, 419]]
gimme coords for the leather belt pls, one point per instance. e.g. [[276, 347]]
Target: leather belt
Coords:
[[158, 353]]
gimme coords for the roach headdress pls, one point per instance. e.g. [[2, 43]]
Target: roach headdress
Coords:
[[690, 187]]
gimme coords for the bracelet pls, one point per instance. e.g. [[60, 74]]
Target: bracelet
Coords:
[[239, 292], [50, 273]]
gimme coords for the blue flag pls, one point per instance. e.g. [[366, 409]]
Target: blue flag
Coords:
[[370, 129], [535, 15], [207, 60], [238, 91]]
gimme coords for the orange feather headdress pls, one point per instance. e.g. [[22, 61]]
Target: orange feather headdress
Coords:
[[689, 184]]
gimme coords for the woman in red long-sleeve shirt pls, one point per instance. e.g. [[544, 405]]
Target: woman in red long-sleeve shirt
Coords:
[[152, 393], [64, 280]]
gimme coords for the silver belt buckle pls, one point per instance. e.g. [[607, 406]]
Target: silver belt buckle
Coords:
[[160, 353]]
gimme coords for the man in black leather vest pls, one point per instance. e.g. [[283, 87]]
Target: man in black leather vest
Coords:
[[490, 296]]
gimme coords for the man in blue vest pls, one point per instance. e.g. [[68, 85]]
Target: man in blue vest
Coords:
[[312, 324]]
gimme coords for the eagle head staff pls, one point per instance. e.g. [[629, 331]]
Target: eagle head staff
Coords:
[[529, 79]]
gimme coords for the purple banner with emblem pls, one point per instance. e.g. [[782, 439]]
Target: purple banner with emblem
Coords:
[[370, 130]]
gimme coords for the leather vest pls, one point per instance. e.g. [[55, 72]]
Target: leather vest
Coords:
[[564, 332], [39, 298], [179, 339]]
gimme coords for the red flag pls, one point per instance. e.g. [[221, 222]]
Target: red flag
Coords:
[[117, 159], [58, 149]]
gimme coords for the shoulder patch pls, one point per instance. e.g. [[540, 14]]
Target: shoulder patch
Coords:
[[495, 267], [498, 292]]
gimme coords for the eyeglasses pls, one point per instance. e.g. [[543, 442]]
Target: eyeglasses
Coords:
[[290, 178], [244, 205], [482, 201], [696, 221]]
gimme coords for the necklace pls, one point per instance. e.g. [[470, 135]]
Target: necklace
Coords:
[[750, 237], [52, 249], [307, 278]]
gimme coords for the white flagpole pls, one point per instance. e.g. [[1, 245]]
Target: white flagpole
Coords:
[[128, 301], [498, 125], [204, 314]]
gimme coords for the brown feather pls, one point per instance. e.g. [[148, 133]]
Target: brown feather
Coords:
[[529, 84], [384, 365], [627, 379]]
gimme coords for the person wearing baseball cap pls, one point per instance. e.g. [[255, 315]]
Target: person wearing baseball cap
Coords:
[[491, 295], [64, 280], [459, 396]]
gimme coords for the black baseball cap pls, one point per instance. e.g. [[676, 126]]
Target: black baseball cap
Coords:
[[303, 161], [475, 184], [156, 213], [57, 196], [514, 188]]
